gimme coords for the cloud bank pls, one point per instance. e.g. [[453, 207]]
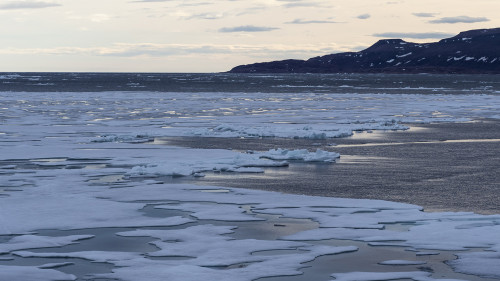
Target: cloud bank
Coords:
[[301, 21], [207, 16], [167, 50], [414, 35], [247, 28], [16, 5], [459, 19], [138, 1], [425, 15], [300, 3]]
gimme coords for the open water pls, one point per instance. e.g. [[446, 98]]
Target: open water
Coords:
[[275, 83]]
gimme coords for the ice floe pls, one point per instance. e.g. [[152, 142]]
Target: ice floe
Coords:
[[300, 154], [228, 161], [218, 212], [30, 273], [35, 241], [485, 264]]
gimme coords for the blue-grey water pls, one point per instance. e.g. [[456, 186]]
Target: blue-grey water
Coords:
[[272, 83]]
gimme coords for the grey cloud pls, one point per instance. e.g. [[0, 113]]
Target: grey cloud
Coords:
[[15, 5], [459, 19], [195, 4], [424, 15], [364, 16], [180, 5], [206, 16], [124, 50], [247, 28], [413, 35], [252, 10], [157, 51], [149, 50], [141, 1], [300, 3], [300, 21]]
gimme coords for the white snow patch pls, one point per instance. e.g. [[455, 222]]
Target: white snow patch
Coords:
[[404, 55], [219, 212], [485, 264], [50, 206], [55, 265], [197, 161], [95, 256], [34, 241], [300, 154]]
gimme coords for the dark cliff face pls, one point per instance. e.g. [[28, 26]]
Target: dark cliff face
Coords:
[[474, 51]]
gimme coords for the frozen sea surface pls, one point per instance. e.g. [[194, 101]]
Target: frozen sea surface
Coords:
[[83, 194]]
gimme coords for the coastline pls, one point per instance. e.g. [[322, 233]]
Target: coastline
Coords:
[[439, 166]]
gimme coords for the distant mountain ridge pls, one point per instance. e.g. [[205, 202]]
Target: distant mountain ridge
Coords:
[[473, 51]]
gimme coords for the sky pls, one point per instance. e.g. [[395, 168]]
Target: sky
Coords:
[[215, 35]]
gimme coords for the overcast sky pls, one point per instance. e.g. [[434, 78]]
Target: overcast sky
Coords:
[[215, 35]]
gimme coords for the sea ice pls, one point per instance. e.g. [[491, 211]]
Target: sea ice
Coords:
[[30, 273], [55, 265], [35, 241], [221, 212], [47, 208], [485, 264], [300, 154], [95, 256], [194, 161], [54, 168], [199, 162]]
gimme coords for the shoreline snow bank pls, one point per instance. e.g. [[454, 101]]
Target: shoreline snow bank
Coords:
[[300, 154], [228, 161]]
